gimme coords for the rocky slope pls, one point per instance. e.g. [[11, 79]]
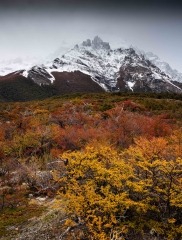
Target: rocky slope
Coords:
[[163, 66], [94, 67], [114, 70]]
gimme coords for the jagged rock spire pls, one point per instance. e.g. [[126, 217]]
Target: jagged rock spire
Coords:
[[96, 43], [87, 43]]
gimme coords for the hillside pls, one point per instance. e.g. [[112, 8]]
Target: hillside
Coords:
[[92, 166], [16, 88]]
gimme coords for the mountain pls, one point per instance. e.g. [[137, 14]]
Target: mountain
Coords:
[[114, 70], [26, 63], [16, 64], [16, 87], [163, 66], [94, 67]]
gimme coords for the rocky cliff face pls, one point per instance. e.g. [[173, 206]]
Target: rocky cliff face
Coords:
[[138, 74], [96, 43], [113, 70], [40, 75], [163, 66], [122, 69]]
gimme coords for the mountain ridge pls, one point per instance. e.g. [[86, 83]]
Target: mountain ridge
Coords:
[[105, 65], [112, 70]]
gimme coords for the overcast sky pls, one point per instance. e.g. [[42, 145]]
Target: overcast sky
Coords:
[[40, 27]]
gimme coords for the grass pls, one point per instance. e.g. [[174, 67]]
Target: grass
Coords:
[[12, 218]]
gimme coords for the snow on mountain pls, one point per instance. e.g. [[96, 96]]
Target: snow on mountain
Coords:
[[17, 64], [26, 63], [123, 69], [163, 66], [96, 59]]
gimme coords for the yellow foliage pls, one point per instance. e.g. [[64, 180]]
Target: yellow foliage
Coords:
[[95, 188], [101, 187], [158, 183]]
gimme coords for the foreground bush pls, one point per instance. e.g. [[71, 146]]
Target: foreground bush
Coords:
[[134, 193]]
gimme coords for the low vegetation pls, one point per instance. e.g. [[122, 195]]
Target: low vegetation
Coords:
[[112, 162]]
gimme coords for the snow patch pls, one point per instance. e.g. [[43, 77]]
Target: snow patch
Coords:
[[52, 78], [25, 73], [130, 85], [156, 75]]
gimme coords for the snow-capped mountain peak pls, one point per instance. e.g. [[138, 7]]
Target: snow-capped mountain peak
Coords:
[[96, 43], [165, 67], [96, 59], [162, 65], [120, 69]]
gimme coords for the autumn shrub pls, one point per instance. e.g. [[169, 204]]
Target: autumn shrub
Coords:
[[124, 161], [96, 190], [133, 193], [158, 181], [122, 126]]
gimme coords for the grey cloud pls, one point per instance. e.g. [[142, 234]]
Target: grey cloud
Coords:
[[38, 27]]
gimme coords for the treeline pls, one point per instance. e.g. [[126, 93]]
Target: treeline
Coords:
[[20, 89]]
